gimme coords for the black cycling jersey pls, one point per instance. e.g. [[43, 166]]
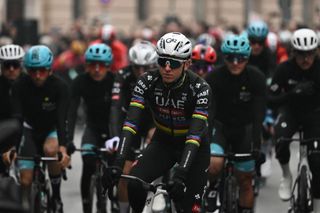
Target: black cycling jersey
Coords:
[[97, 99], [42, 109], [179, 111], [287, 76], [123, 86], [265, 61], [238, 100]]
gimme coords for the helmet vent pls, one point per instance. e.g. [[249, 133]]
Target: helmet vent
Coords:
[[97, 50], [306, 41]]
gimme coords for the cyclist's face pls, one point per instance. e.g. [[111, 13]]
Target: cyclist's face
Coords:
[[201, 67], [39, 75], [235, 63], [305, 59], [171, 70], [11, 70], [257, 46], [97, 70]]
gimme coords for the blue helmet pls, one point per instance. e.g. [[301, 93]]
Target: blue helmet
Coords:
[[257, 29], [236, 44], [99, 52], [38, 56]]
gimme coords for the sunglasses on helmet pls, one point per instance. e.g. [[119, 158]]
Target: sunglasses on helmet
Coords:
[[174, 64], [9, 64], [236, 58]]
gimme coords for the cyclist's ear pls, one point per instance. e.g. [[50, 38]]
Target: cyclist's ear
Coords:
[[187, 64]]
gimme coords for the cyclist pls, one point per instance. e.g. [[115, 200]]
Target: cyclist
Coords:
[[143, 57], [203, 57], [11, 69], [94, 87], [119, 49], [239, 104], [179, 101], [39, 103], [294, 92], [262, 57]]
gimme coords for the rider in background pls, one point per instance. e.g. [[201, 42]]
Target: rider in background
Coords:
[[143, 57], [11, 69], [70, 63], [262, 57], [179, 101], [203, 57], [39, 102], [94, 87], [295, 94], [119, 49], [238, 95]]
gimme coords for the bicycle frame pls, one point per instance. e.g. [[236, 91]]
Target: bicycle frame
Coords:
[[230, 194], [40, 190], [304, 177]]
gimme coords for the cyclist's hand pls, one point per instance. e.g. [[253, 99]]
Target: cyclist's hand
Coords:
[[176, 187], [110, 177], [9, 156], [112, 144], [65, 158], [71, 148], [304, 88]]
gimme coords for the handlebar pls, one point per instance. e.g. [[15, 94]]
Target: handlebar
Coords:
[[301, 141], [234, 156]]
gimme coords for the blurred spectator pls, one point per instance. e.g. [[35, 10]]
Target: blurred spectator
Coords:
[[119, 49]]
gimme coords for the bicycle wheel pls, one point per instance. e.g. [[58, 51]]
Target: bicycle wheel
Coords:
[[231, 195], [92, 190], [302, 197], [101, 199]]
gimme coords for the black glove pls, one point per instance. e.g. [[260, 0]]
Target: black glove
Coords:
[[110, 177], [71, 148], [176, 187], [304, 88]]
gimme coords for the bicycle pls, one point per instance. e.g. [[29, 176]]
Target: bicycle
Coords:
[[301, 200], [229, 189], [41, 188], [158, 199], [96, 187]]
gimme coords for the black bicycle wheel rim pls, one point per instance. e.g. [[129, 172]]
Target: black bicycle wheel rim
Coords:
[[231, 203], [102, 205], [302, 190]]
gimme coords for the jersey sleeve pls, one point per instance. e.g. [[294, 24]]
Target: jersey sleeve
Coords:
[[131, 124], [75, 97], [198, 129], [117, 105], [62, 110]]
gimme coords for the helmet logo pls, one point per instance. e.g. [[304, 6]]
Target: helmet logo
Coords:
[[35, 54], [169, 40]]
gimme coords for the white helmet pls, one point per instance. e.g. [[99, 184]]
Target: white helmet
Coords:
[[174, 45], [143, 53], [304, 40], [108, 32], [11, 52]]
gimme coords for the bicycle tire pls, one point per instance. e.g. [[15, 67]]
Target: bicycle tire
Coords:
[[101, 199], [92, 191], [47, 198], [231, 197], [302, 197]]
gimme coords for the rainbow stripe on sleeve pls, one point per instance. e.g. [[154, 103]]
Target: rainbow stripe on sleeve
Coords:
[[130, 127], [200, 114], [194, 139], [137, 102]]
